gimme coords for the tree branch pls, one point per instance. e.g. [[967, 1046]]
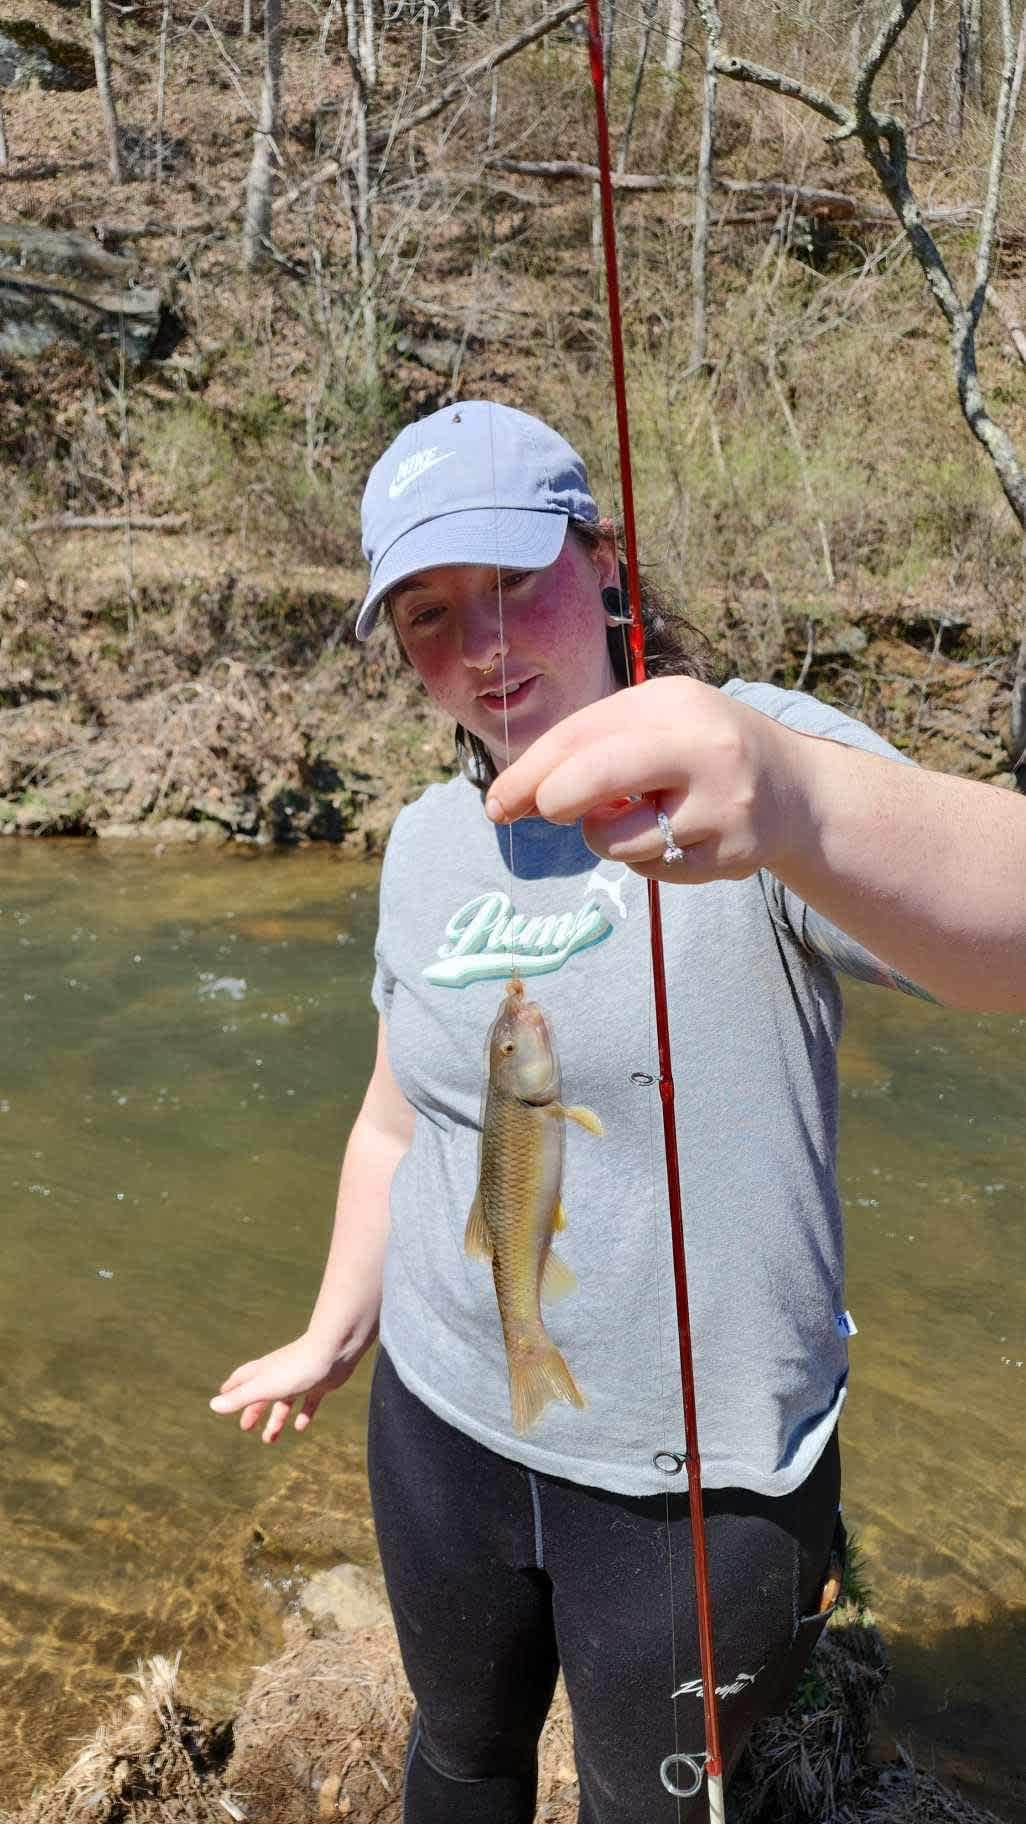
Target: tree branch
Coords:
[[739, 69], [98, 522], [1011, 81], [491, 61], [877, 55]]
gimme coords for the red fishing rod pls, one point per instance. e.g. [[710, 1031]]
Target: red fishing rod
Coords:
[[711, 1763]]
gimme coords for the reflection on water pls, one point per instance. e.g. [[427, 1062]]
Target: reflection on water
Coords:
[[186, 1042], [934, 1178]]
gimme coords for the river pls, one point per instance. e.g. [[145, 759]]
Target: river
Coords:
[[186, 1038]]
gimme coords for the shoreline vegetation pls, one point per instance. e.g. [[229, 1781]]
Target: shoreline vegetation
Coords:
[[201, 352], [321, 1733], [240, 711], [179, 546]]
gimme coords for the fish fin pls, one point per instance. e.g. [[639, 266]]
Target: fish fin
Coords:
[[538, 1375], [584, 1117], [477, 1242], [557, 1280], [559, 1219]]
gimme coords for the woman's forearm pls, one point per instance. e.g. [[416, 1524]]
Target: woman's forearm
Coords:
[[345, 1314], [926, 870]]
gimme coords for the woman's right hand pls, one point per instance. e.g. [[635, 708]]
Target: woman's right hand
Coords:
[[302, 1371]]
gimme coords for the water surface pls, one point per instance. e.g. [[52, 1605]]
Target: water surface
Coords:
[[186, 1039]]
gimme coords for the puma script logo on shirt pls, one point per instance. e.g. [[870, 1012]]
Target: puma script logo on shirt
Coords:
[[413, 467], [486, 936]]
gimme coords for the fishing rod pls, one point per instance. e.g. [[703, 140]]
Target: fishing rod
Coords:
[[709, 1765]]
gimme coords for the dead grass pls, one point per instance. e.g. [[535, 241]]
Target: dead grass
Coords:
[[321, 1733]]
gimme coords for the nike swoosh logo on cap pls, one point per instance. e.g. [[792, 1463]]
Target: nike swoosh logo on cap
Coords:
[[413, 468]]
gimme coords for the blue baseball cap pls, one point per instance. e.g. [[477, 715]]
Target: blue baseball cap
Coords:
[[476, 483]]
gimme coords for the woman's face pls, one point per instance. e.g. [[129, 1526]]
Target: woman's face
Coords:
[[552, 653]]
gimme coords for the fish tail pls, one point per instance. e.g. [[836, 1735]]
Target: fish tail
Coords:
[[538, 1374]]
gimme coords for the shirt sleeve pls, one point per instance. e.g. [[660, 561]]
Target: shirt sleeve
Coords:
[[809, 928], [383, 985]]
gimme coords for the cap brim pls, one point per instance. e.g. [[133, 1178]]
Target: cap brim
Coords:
[[508, 538]]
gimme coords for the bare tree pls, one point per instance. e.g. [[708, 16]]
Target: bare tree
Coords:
[[648, 19], [256, 231], [5, 157], [884, 143], [970, 71], [493, 104], [856, 36], [362, 196], [165, 20], [676, 26], [369, 47], [101, 60], [703, 189], [924, 65]]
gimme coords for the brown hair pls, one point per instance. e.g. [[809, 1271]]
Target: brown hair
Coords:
[[674, 647]]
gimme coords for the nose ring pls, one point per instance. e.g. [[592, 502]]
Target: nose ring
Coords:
[[486, 670]]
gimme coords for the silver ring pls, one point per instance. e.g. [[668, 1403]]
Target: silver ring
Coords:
[[695, 1763], [672, 851]]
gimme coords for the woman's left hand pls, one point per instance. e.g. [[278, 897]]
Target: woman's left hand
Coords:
[[728, 778]]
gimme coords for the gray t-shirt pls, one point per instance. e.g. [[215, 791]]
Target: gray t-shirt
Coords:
[[755, 1018]]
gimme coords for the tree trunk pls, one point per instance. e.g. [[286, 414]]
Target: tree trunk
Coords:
[[165, 17], [676, 26], [856, 38], [247, 18], [493, 105], [648, 12], [256, 231], [970, 44], [703, 189], [363, 224], [968, 84], [5, 157], [924, 65], [98, 21], [608, 34], [370, 51]]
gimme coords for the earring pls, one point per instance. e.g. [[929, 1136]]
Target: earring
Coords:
[[615, 607]]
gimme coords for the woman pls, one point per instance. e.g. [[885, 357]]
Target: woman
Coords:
[[792, 845]]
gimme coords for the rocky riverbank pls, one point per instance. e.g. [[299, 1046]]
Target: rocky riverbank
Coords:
[[321, 1734], [234, 707]]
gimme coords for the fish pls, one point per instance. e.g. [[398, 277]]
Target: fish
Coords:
[[517, 1208]]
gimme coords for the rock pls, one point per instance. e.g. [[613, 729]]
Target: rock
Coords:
[[172, 829], [51, 250], [234, 813], [29, 54], [119, 832], [327, 1798], [58, 287], [348, 1596]]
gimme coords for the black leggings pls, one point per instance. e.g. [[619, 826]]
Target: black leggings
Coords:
[[499, 1576]]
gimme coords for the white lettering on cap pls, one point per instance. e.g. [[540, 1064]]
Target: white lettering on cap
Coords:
[[414, 466]]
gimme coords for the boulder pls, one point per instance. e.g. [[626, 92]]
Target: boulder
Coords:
[[347, 1596], [29, 54], [64, 287]]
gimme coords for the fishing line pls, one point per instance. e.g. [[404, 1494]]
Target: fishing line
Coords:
[[502, 681]]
